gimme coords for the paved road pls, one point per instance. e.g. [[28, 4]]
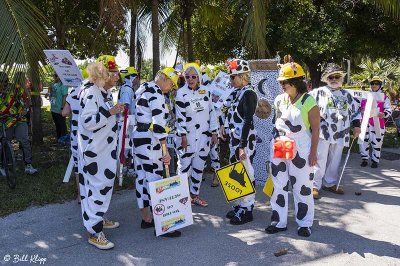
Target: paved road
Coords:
[[348, 230]]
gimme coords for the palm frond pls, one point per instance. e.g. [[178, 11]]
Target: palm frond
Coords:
[[391, 7], [22, 37]]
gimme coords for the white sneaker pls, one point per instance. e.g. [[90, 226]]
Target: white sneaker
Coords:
[[100, 241], [30, 170]]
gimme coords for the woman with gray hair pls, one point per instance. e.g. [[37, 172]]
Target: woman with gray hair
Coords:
[[241, 106]]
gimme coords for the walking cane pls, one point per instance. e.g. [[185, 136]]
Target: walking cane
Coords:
[[165, 150], [345, 163], [122, 154]]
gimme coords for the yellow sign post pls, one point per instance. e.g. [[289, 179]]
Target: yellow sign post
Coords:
[[235, 181]]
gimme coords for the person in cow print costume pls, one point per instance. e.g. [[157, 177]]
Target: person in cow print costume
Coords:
[[296, 118], [71, 108], [97, 148], [150, 137], [241, 106], [196, 129], [338, 111], [371, 138]]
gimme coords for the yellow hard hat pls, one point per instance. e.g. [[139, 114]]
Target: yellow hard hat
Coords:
[[128, 71], [290, 71], [171, 73], [195, 65], [85, 73], [108, 61], [376, 78]]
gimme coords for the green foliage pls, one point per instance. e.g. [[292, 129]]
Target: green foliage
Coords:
[[146, 73]]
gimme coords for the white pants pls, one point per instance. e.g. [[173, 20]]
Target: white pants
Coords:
[[376, 144], [328, 163]]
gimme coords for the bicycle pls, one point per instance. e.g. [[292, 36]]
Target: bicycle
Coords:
[[7, 162]]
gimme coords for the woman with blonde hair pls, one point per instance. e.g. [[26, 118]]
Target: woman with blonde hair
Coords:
[[97, 148]]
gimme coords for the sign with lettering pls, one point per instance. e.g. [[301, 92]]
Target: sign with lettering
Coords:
[[235, 181], [170, 199], [220, 89], [65, 67]]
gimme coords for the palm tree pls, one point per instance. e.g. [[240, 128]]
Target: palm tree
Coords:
[[22, 40]]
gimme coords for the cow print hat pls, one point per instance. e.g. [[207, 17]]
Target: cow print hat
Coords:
[[238, 66]]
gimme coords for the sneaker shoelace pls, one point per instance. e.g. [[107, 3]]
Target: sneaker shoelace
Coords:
[[238, 214], [102, 237]]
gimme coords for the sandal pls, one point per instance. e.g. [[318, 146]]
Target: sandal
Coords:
[[200, 202]]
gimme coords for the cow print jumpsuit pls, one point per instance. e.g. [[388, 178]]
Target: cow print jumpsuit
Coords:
[[370, 136], [195, 118], [151, 108], [97, 155], [241, 105]]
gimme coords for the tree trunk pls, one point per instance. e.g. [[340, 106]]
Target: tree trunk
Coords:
[[36, 115], [189, 31], [132, 41], [155, 28], [315, 72]]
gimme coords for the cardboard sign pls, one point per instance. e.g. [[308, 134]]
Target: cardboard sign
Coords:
[[170, 199], [371, 111], [220, 89], [235, 181], [65, 67], [269, 185]]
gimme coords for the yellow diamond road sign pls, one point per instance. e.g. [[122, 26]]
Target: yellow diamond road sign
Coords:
[[235, 181]]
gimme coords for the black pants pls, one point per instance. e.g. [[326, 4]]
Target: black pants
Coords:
[[61, 126]]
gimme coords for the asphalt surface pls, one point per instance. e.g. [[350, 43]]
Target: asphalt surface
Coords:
[[348, 230]]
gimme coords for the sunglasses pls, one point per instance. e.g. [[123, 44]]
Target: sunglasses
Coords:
[[334, 77], [375, 83], [193, 77], [232, 77]]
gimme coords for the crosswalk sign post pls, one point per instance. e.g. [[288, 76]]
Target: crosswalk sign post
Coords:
[[235, 181]]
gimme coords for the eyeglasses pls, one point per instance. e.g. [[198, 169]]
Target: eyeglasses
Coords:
[[193, 77], [232, 77], [334, 77], [375, 83], [283, 82]]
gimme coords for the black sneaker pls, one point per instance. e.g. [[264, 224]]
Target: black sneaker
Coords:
[[364, 163], [304, 231], [272, 229], [146, 225], [374, 164], [172, 234], [241, 217], [231, 214]]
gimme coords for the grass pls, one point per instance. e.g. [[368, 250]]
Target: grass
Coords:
[[46, 186]]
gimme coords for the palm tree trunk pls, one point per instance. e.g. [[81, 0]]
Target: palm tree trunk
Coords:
[[132, 39], [36, 116], [155, 28], [190, 39]]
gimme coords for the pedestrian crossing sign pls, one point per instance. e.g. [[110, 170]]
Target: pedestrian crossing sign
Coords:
[[235, 181]]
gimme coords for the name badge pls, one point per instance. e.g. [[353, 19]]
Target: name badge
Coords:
[[202, 91], [109, 103], [197, 104]]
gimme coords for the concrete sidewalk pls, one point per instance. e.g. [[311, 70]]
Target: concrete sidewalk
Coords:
[[348, 230]]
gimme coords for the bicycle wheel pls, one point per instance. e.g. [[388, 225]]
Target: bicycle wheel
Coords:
[[8, 162]]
